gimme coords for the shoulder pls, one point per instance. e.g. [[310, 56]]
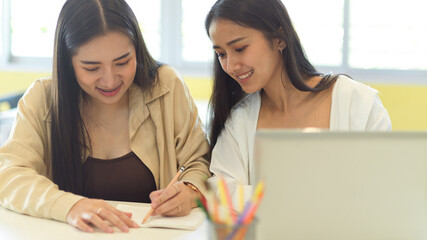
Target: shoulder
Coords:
[[348, 87], [348, 93], [42, 85], [355, 95], [167, 84], [356, 106], [39, 94], [168, 77]]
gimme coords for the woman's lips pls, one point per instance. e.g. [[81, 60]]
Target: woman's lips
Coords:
[[110, 93], [245, 77]]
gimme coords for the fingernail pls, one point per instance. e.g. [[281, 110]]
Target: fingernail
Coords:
[[110, 230], [125, 229], [135, 225]]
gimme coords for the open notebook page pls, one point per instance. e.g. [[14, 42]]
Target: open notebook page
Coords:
[[190, 222]]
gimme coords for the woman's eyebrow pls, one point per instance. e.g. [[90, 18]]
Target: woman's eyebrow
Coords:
[[231, 42], [116, 59]]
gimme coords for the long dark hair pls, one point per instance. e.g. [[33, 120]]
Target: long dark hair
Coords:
[[272, 19], [80, 21]]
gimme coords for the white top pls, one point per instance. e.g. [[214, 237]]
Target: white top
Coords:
[[355, 107]]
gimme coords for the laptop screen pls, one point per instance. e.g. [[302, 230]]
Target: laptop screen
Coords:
[[342, 185]]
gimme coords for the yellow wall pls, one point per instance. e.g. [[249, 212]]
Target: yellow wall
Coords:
[[17, 81], [407, 104]]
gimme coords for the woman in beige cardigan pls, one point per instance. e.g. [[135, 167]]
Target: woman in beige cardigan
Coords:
[[110, 124]]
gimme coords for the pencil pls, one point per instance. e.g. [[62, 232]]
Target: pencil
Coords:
[[226, 200], [216, 217], [171, 182], [201, 203], [241, 198]]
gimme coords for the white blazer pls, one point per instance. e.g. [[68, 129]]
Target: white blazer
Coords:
[[355, 107]]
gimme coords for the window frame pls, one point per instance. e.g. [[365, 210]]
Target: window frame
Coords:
[[170, 53], [5, 32]]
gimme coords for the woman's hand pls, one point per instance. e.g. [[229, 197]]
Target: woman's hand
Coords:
[[176, 200], [87, 213]]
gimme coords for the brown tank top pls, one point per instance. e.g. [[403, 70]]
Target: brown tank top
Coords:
[[120, 179]]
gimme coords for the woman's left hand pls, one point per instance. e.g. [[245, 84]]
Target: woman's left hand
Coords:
[[176, 200]]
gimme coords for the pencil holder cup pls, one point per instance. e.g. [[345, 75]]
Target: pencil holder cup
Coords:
[[222, 231]]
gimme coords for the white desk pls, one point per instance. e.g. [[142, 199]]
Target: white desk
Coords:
[[15, 226]]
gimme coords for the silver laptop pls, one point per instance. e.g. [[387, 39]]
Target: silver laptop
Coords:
[[342, 185]]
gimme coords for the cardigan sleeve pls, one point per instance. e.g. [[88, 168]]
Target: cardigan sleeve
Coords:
[[191, 145], [24, 183]]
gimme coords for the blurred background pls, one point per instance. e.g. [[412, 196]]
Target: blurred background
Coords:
[[382, 43]]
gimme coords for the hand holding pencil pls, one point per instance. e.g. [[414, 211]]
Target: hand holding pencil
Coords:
[[175, 200]]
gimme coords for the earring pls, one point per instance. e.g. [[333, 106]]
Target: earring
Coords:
[[281, 51]]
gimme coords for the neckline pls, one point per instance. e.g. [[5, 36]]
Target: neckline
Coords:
[[126, 156]]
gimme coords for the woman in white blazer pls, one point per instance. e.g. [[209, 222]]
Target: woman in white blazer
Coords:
[[262, 79]]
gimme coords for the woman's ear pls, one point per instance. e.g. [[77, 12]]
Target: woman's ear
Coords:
[[281, 44]]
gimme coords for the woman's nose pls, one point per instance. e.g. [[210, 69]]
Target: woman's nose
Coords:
[[108, 78], [232, 64]]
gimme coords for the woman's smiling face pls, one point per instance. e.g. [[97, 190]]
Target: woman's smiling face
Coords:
[[105, 67], [246, 54]]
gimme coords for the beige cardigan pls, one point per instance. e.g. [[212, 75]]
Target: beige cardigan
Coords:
[[164, 129]]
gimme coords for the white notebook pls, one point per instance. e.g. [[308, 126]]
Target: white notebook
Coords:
[[190, 222]]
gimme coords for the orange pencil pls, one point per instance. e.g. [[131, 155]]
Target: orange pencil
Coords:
[[171, 182], [256, 199], [226, 199]]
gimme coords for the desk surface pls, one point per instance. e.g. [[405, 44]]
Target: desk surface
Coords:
[[15, 226]]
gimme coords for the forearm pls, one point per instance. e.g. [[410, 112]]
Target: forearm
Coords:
[[24, 191]]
